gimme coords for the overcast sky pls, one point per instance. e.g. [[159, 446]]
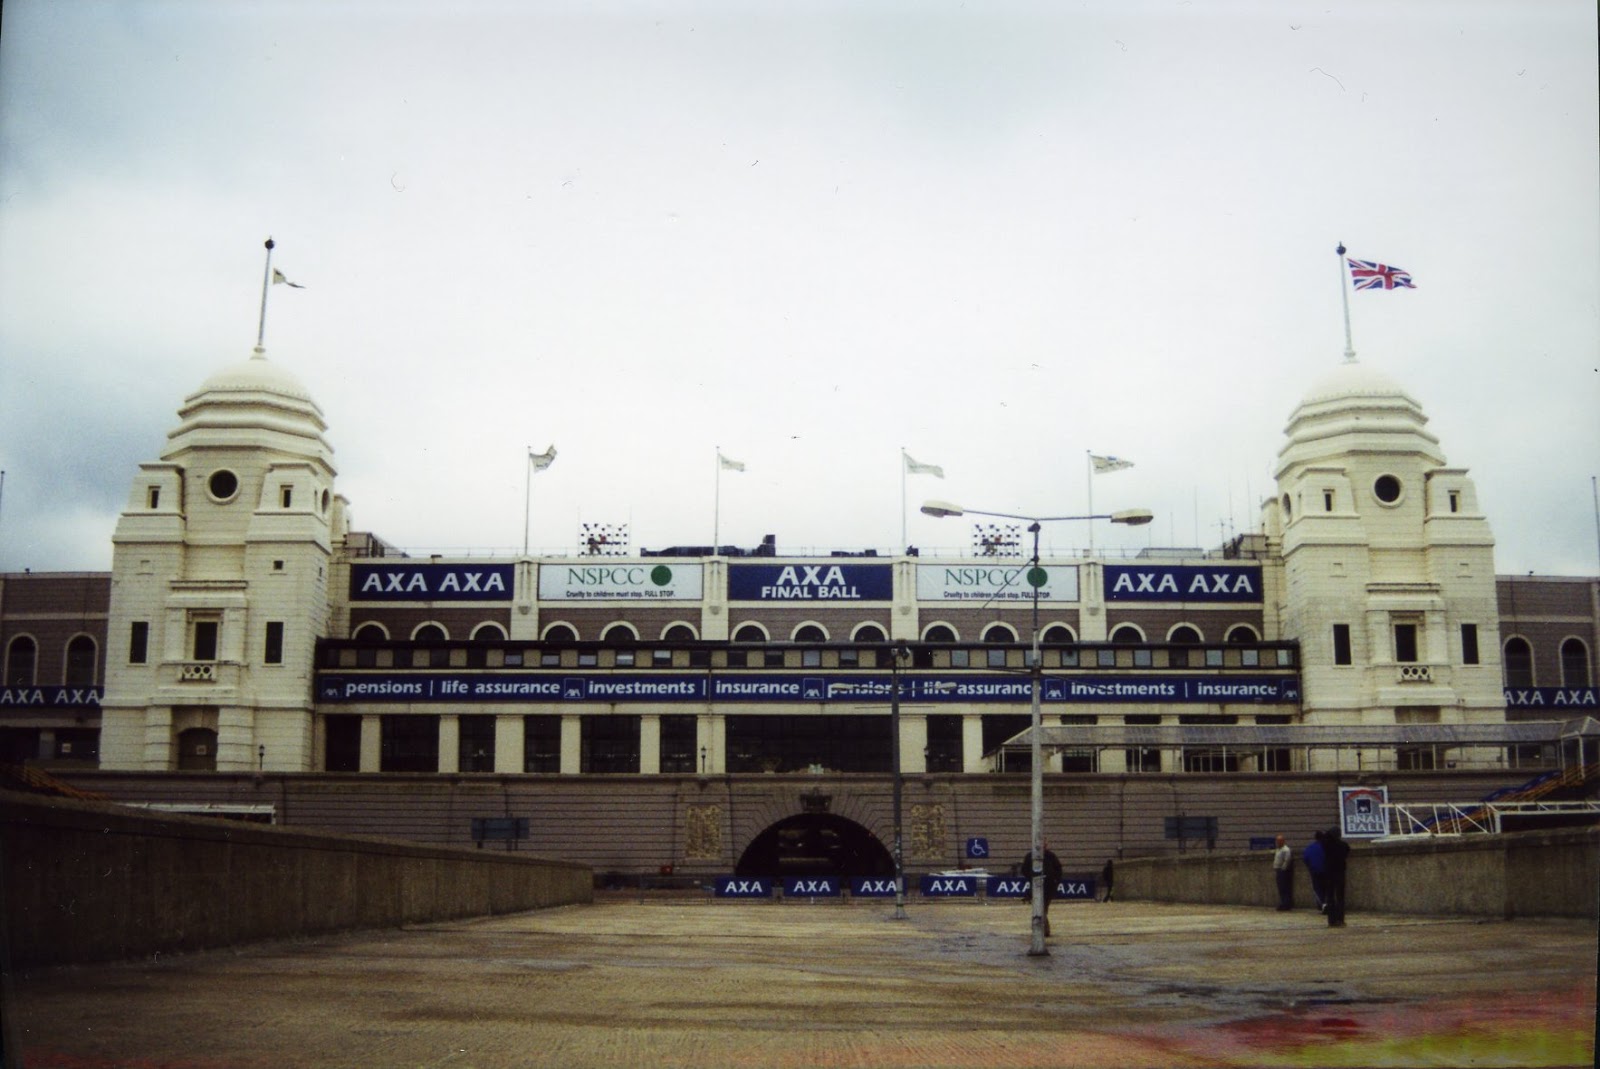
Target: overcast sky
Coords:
[[998, 235]]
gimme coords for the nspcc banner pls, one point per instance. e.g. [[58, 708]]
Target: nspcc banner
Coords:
[[810, 582], [620, 581], [994, 582]]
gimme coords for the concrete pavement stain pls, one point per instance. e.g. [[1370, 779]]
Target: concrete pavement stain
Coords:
[[669, 983]]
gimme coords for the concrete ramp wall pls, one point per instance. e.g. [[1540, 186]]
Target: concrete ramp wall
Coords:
[[86, 881], [1524, 874]]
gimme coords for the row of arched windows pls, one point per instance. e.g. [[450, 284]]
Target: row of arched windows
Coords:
[[619, 633], [79, 667], [1519, 664]]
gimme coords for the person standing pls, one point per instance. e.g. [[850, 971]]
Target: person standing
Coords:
[[1336, 862], [1316, 858], [1106, 875], [1283, 874]]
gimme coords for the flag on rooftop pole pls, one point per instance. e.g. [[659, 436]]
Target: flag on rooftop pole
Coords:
[[536, 462], [278, 277], [912, 467], [1370, 275], [1101, 465], [915, 467], [729, 465], [716, 508]]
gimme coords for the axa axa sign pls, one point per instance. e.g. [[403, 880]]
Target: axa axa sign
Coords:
[[50, 697], [431, 582], [620, 580], [994, 582], [810, 582], [1552, 697], [1183, 582]]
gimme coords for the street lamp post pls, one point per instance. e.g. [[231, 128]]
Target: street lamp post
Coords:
[[896, 652], [1036, 579]]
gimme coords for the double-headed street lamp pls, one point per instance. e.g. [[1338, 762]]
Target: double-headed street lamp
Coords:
[[1036, 579]]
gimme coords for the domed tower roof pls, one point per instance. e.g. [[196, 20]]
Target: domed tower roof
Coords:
[[1356, 408], [252, 403]]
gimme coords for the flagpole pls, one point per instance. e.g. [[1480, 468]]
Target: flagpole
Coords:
[[903, 499], [527, 496], [716, 506], [1344, 296], [266, 281], [1088, 476]]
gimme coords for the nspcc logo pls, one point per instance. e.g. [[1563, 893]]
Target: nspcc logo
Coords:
[[618, 580]]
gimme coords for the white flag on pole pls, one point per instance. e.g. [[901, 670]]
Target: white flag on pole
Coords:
[[730, 465], [541, 461], [1102, 465], [916, 467], [279, 278]]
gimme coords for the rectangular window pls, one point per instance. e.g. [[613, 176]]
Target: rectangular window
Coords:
[[1250, 658], [286, 495], [1405, 643], [625, 658], [1327, 501], [274, 651], [541, 744], [1105, 658], [154, 497], [996, 658], [677, 744], [513, 658], [139, 642], [549, 659], [408, 743], [772, 658], [856, 743], [1469, 644], [610, 744], [588, 659], [849, 658], [1143, 658], [1341, 644], [810, 658], [1069, 658], [342, 746], [661, 658], [1455, 501], [476, 751], [205, 640], [944, 743], [959, 659]]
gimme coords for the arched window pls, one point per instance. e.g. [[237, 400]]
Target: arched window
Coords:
[[678, 633], [80, 662], [1128, 634], [1058, 635], [370, 632], [430, 633], [939, 633], [489, 633], [1574, 664], [999, 633], [560, 633], [1242, 633], [810, 633], [22, 656], [869, 633], [750, 633], [1185, 634], [619, 634], [1518, 663]]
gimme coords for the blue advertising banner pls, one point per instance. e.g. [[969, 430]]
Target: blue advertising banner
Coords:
[[1022, 887], [50, 697], [1183, 582], [742, 887], [811, 887], [1552, 698], [810, 582], [873, 887], [947, 885], [431, 582], [758, 687]]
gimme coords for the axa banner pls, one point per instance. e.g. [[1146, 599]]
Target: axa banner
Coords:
[[742, 887], [1183, 582], [770, 687], [872, 887], [811, 887], [1361, 812], [1552, 698], [50, 697], [950, 885], [620, 580], [810, 582], [994, 582], [1022, 887], [431, 582]]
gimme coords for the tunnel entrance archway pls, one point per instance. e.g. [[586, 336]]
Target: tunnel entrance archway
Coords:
[[816, 844]]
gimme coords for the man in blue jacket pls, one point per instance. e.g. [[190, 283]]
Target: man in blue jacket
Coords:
[[1316, 859]]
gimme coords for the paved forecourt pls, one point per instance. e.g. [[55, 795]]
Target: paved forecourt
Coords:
[[666, 981]]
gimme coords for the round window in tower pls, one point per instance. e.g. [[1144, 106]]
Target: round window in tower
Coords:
[[222, 485], [1386, 489]]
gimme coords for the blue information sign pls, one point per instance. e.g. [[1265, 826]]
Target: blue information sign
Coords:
[[977, 848], [872, 887], [811, 887], [742, 887], [1183, 582], [810, 582], [948, 885]]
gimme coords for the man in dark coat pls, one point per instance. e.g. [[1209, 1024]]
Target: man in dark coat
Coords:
[[1336, 857]]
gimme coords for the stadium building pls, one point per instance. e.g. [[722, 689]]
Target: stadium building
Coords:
[[702, 710]]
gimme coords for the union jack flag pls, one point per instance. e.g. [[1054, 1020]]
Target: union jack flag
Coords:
[[1366, 275]]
